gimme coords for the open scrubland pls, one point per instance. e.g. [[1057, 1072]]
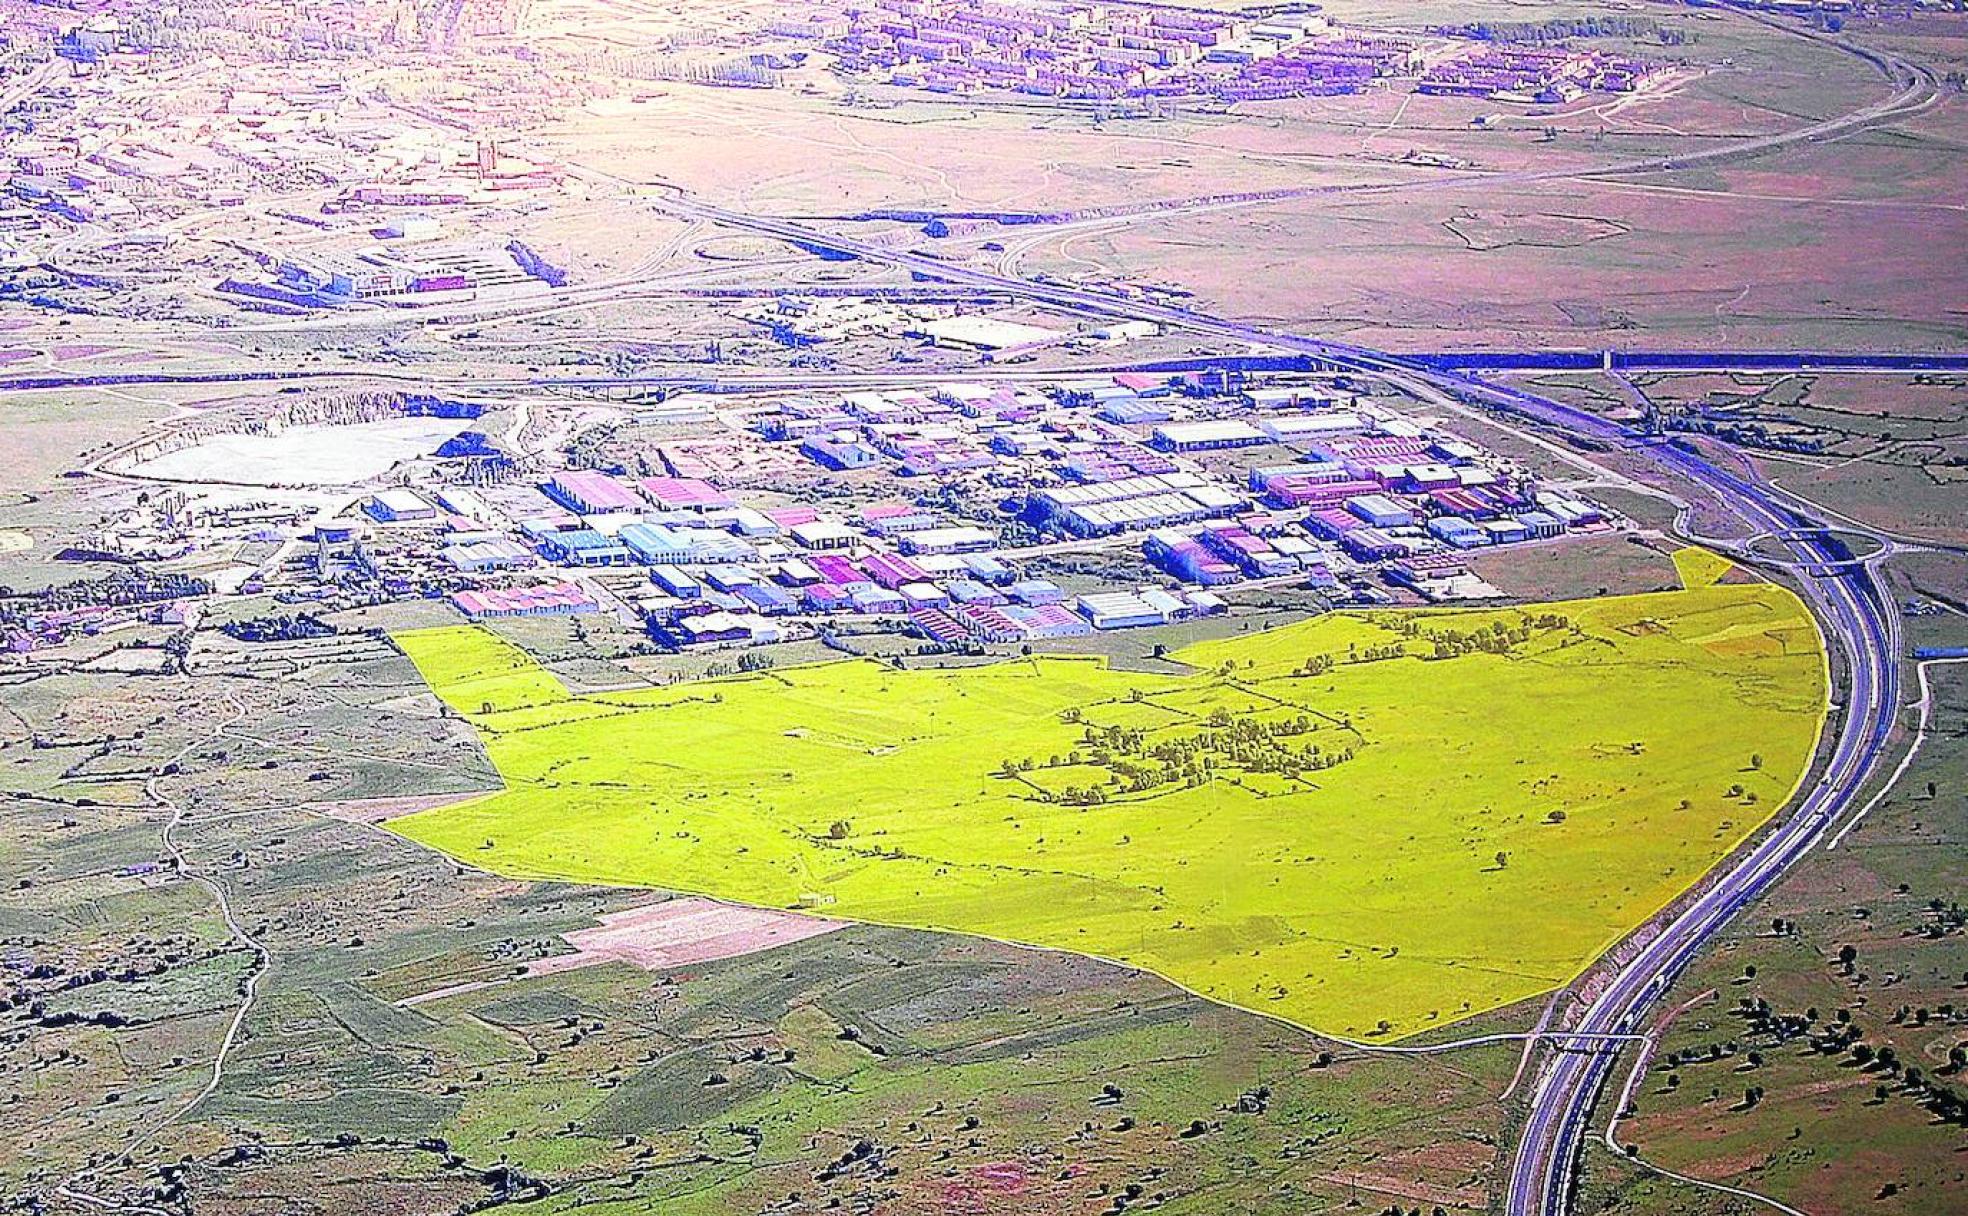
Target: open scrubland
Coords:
[[423, 1037], [1367, 823]]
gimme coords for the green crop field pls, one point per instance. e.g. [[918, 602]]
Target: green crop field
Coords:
[[1367, 823]]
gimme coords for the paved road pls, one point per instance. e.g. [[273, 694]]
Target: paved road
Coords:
[[1864, 629], [1857, 617]]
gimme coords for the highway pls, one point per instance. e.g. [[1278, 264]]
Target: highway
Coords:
[[1858, 619], [1863, 627]]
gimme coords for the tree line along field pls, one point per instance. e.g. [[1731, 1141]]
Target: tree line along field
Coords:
[[1366, 823]]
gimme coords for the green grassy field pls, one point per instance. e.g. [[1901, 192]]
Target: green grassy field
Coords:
[[1369, 824]]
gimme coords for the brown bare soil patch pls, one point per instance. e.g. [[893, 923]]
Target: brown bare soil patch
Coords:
[[680, 931]]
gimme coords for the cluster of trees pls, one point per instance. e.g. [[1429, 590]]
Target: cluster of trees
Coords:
[[1744, 434], [1316, 665], [1841, 1037], [123, 589], [1249, 744], [1947, 919], [1376, 654], [279, 628], [1499, 638], [1557, 29]]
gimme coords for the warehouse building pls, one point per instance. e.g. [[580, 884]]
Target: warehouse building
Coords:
[[398, 506], [1206, 436], [1380, 511], [485, 556], [685, 494], [947, 540], [839, 453], [585, 547], [1119, 610], [1457, 532], [676, 582], [590, 493]]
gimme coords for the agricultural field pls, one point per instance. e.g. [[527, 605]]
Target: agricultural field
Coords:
[[1370, 824]]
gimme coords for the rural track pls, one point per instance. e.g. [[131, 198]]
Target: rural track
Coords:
[[249, 993]]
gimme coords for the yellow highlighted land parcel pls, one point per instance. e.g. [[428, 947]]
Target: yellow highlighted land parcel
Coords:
[[1368, 823]]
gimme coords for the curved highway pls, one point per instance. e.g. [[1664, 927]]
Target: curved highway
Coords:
[[1857, 617]]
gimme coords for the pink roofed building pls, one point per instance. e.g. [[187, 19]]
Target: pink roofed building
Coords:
[[793, 517], [592, 493], [685, 494], [544, 599], [892, 570]]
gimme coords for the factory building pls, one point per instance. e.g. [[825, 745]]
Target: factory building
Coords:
[[590, 493], [1380, 511], [398, 506], [584, 547], [1206, 436]]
